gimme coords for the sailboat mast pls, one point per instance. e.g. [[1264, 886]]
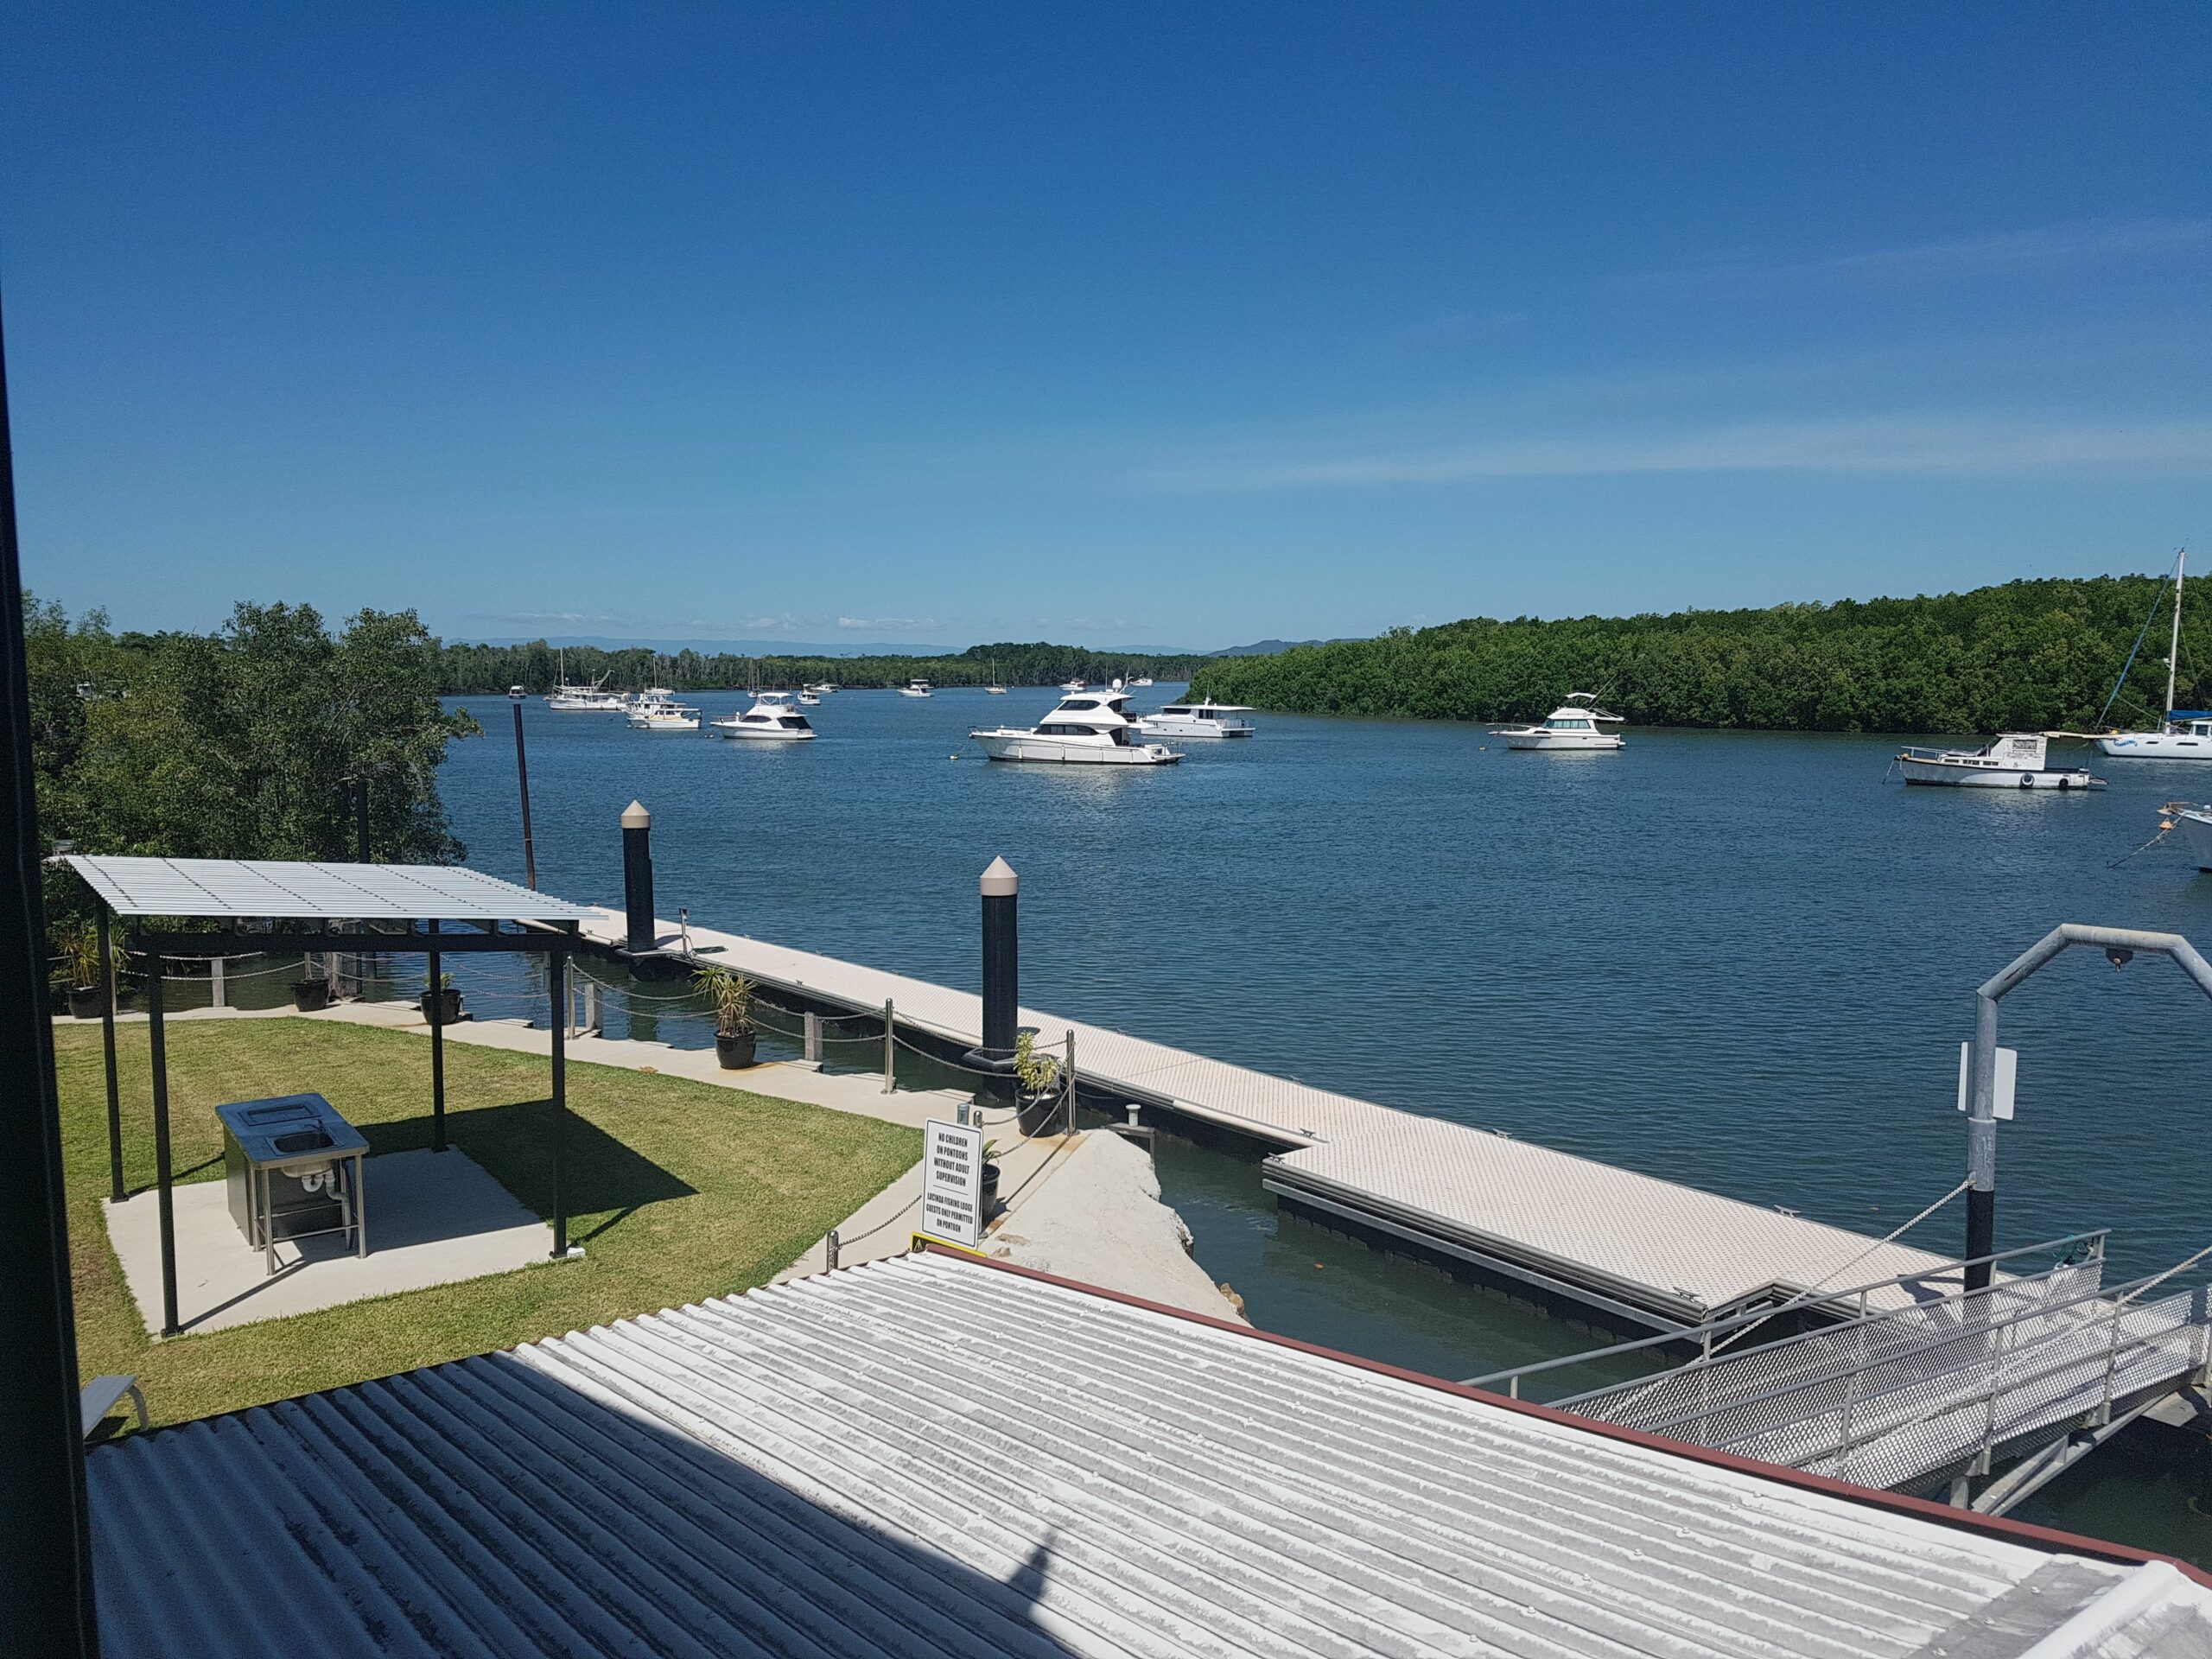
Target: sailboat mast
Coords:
[[2173, 651]]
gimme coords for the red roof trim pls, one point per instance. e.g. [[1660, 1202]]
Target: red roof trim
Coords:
[[2017, 1532]]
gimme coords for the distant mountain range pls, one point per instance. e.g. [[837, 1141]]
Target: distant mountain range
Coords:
[[1271, 647], [848, 648]]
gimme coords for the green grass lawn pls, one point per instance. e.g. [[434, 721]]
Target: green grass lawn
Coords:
[[678, 1191]]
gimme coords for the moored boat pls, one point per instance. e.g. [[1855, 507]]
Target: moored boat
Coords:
[[770, 719], [2194, 824], [662, 713], [915, 689], [1570, 727], [2183, 733], [1087, 728], [2012, 760], [1206, 719]]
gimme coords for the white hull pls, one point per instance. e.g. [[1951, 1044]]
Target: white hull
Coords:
[[1960, 775], [1194, 728], [666, 723], [906, 692], [1011, 745], [2196, 830], [2157, 746], [1597, 742], [762, 735]]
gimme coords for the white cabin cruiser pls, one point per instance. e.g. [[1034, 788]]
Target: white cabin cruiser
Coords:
[[770, 719], [662, 713], [915, 689], [1088, 728], [1568, 727], [2014, 761], [1207, 719], [1075, 685], [810, 699]]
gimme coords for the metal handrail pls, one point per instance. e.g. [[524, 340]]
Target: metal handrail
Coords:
[[1862, 1322], [1832, 1376], [1691, 1333]]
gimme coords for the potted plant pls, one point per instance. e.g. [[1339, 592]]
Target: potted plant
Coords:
[[441, 1002], [80, 956], [310, 996], [1039, 1076], [731, 997], [991, 1182]]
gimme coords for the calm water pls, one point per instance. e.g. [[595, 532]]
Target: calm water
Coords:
[[1738, 960]]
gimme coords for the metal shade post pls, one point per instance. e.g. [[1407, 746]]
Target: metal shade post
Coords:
[[107, 1044], [164, 1197], [437, 1001]]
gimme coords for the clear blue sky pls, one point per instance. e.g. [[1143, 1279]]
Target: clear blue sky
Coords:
[[1166, 325]]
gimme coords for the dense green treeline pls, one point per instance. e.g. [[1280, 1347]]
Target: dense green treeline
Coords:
[[536, 666], [2024, 656], [248, 742]]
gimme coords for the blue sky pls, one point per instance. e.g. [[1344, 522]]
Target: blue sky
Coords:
[[1152, 325]]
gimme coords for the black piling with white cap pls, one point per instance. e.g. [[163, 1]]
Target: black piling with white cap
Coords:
[[1001, 889], [638, 875]]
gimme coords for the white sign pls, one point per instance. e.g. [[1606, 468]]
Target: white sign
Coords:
[[2008, 1075], [952, 1182]]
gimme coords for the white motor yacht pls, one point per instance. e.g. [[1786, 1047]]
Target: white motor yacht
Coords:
[[2183, 733], [1141, 679], [1572, 725], [1075, 685], [772, 719], [662, 713], [1206, 719], [2014, 761], [2194, 824], [809, 700], [915, 689], [1088, 728], [569, 698]]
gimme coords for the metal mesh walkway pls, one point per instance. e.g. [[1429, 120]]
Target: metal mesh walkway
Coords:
[[1903, 1397]]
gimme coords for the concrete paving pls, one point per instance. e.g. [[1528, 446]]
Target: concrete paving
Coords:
[[433, 1218], [1141, 1247]]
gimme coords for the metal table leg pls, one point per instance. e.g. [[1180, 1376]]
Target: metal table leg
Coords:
[[360, 1209]]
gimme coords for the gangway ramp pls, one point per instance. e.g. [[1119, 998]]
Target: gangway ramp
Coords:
[[1912, 1397]]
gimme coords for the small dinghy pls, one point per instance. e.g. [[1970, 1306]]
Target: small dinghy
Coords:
[[2014, 761]]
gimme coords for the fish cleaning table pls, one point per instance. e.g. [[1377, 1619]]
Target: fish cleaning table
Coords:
[[293, 1167]]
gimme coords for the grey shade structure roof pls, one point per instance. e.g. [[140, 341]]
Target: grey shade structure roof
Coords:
[[933, 1456], [276, 889]]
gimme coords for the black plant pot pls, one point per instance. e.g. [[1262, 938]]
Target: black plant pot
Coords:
[[441, 1008], [310, 996], [85, 1002], [735, 1052], [990, 1189]]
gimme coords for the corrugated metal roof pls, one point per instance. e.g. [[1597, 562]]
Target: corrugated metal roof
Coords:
[[250, 888], [927, 1456]]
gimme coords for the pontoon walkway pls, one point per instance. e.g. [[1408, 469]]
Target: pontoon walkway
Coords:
[[1656, 1253]]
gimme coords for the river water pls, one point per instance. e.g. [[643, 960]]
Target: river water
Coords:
[[1739, 960]]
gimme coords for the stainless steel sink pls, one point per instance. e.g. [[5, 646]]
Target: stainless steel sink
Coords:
[[302, 1140]]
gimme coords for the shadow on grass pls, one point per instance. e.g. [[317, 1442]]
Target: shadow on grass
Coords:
[[514, 1145]]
